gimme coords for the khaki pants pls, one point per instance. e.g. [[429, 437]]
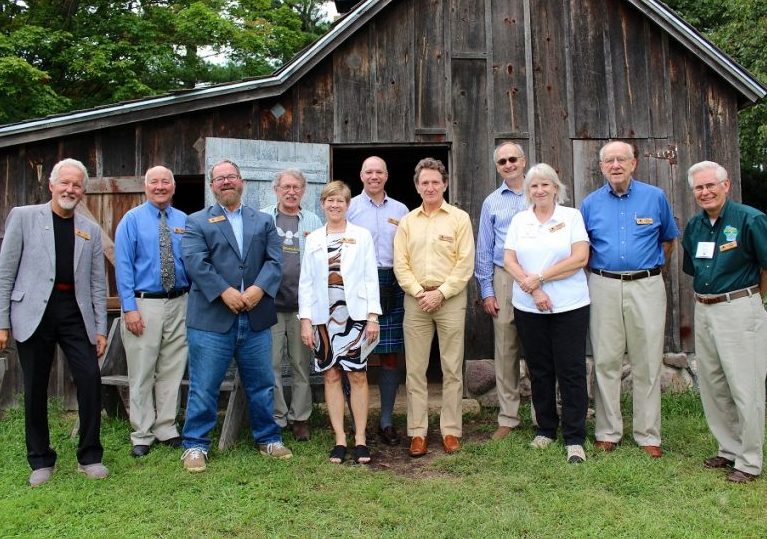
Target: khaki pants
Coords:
[[507, 351], [627, 315], [156, 363], [731, 350], [419, 328], [286, 339]]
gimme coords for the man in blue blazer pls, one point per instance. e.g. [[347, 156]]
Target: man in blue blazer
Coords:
[[53, 291], [233, 257]]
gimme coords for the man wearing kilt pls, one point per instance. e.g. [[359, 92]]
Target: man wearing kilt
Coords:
[[380, 214]]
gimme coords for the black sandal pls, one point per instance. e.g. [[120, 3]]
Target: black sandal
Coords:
[[361, 452], [338, 452]]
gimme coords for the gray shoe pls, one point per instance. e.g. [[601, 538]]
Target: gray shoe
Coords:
[[40, 476], [93, 471], [276, 450], [575, 454], [194, 459]]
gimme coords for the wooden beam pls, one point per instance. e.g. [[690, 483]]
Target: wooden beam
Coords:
[[115, 184]]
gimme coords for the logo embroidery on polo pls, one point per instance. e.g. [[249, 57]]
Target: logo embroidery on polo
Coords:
[[730, 233]]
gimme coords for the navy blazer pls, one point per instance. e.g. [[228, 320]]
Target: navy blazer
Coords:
[[213, 263]]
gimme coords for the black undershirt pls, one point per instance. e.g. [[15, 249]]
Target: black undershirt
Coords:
[[64, 236]]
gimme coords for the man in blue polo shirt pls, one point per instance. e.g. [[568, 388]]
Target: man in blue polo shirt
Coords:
[[632, 232], [725, 250], [152, 284]]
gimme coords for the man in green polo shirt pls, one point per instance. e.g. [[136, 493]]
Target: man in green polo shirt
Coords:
[[725, 250]]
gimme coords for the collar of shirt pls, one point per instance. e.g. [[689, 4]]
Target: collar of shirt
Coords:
[[275, 209], [373, 202], [419, 210], [613, 193], [505, 187]]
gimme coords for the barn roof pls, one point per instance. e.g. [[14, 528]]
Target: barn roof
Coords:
[[748, 87]]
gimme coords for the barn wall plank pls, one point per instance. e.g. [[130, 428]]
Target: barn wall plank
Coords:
[[552, 112], [352, 90], [508, 68], [467, 26], [429, 64], [393, 88], [469, 167]]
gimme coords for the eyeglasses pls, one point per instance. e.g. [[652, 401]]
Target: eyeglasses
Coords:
[[221, 179], [710, 187], [513, 159], [286, 188], [620, 160]]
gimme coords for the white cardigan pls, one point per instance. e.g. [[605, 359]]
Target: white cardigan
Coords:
[[358, 269]]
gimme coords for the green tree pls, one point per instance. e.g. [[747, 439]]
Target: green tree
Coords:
[[63, 55]]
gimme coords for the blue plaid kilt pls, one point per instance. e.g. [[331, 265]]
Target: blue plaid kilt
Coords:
[[392, 339]]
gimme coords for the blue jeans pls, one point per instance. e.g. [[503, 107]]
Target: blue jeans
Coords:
[[209, 356]]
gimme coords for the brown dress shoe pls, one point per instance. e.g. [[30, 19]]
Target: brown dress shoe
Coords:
[[418, 446], [718, 462], [605, 446], [300, 430], [451, 444], [736, 476], [501, 433], [653, 450]]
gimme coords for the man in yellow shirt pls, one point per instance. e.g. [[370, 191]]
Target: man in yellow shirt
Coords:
[[433, 262]]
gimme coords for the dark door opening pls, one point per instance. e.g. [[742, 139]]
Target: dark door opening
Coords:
[[346, 162], [345, 165], [190, 193]]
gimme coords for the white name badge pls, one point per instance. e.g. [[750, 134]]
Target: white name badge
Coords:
[[705, 249]]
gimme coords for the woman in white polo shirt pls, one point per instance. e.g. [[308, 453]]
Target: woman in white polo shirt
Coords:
[[547, 248]]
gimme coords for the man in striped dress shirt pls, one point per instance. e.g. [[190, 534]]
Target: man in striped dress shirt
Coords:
[[495, 283]]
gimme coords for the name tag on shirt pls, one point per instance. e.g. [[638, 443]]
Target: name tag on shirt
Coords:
[[178, 230], [83, 234], [556, 227], [350, 241], [393, 221], [445, 238], [705, 249], [217, 219], [727, 246], [644, 220]]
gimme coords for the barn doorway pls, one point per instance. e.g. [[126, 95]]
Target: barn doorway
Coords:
[[345, 164]]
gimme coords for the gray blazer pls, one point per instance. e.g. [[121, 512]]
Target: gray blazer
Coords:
[[28, 270]]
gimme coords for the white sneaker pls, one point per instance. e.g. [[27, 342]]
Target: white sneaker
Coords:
[[194, 459], [541, 442], [276, 450], [575, 454]]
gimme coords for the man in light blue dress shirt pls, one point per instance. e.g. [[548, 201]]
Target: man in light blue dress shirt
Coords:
[[154, 318], [495, 283], [374, 210]]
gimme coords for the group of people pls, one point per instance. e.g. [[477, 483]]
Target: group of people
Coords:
[[598, 273], [376, 281]]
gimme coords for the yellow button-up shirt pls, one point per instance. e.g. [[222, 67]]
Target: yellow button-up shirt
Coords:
[[434, 250]]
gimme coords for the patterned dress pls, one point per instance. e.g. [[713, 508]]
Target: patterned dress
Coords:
[[338, 342]]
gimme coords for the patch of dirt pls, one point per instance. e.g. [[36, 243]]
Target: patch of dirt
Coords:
[[397, 460]]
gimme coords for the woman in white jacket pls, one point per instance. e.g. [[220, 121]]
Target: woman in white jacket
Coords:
[[338, 305]]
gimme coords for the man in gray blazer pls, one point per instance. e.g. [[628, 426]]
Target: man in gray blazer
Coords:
[[233, 256], [53, 291]]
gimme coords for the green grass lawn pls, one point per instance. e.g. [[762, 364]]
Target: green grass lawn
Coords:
[[490, 489]]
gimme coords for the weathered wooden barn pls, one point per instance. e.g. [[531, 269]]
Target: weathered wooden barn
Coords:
[[405, 79]]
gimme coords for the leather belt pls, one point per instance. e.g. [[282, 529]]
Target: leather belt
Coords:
[[632, 276], [175, 293], [64, 287], [728, 296]]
